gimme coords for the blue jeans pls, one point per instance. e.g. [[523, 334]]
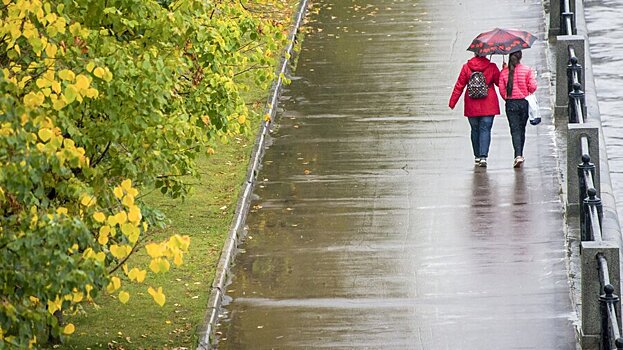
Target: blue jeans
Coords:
[[517, 114], [481, 135]]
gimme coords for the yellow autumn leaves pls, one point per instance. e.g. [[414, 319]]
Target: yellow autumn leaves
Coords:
[[50, 141], [127, 221], [162, 252], [54, 87]]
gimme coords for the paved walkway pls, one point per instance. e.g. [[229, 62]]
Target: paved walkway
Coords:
[[372, 229]]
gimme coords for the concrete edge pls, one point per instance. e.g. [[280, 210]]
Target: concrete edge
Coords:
[[205, 332], [610, 225]]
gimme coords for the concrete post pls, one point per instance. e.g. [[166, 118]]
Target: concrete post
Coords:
[[591, 288], [575, 132], [563, 42], [555, 9]]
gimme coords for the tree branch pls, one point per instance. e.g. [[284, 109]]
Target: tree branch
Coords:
[[102, 155]]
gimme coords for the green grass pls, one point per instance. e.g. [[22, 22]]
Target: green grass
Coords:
[[205, 216]]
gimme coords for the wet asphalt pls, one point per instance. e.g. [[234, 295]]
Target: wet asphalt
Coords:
[[372, 229]]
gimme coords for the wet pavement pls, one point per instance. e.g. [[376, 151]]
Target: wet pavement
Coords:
[[604, 19], [372, 229]]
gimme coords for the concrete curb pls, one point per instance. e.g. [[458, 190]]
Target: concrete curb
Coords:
[[611, 226], [236, 231]]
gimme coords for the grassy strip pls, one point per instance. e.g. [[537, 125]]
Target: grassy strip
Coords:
[[205, 216]]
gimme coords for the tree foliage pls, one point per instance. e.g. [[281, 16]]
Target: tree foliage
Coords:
[[103, 98]]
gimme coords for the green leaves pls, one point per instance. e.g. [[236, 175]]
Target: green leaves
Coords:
[[98, 92]]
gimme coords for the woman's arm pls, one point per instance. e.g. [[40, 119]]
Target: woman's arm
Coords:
[[461, 81], [531, 81]]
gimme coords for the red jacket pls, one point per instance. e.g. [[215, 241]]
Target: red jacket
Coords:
[[482, 106], [524, 82]]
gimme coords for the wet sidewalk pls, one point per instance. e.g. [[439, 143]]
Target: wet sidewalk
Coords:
[[372, 228]]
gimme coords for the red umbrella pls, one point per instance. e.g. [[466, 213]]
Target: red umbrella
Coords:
[[501, 41]]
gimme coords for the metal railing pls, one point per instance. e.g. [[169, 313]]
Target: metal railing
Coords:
[[599, 256], [608, 309]]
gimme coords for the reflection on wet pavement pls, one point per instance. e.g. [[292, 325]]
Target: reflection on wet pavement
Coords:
[[372, 229]]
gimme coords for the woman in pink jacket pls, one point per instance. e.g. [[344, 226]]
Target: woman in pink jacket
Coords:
[[479, 111], [516, 82]]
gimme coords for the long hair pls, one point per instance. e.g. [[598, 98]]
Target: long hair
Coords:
[[513, 60]]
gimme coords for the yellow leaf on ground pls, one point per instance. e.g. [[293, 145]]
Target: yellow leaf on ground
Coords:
[[124, 296], [69, 329]]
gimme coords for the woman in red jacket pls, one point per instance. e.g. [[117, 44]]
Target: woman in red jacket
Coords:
[[516, 82], [479, 111]]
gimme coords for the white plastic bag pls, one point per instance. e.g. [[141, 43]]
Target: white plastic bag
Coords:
[[534, 113]]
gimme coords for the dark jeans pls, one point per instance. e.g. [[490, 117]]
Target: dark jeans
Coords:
[[481, 135], [517, 114]]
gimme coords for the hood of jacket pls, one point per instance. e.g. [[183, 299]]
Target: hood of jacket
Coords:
[[478, 63]]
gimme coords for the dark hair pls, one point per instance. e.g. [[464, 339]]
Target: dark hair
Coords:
[[513, 60]]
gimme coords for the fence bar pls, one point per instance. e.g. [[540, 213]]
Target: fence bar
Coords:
[[592, 270], [590, 221], [568, 18], [564, 63], [608, 304]]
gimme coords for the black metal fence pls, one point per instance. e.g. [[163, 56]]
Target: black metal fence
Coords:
[[600, 276]]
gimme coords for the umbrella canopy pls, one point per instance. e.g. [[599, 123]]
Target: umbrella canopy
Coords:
[[501, 41]]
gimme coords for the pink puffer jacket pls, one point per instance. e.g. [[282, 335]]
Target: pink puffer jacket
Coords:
[[524, 82]]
